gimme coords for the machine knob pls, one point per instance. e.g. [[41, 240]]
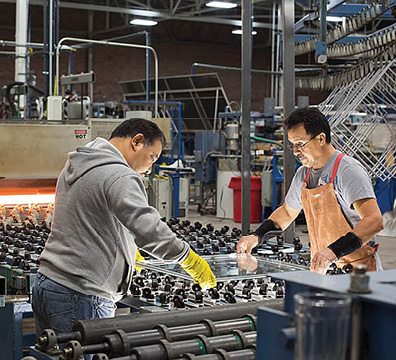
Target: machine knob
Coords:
[[213, 293], [178, 301], [229, 297]]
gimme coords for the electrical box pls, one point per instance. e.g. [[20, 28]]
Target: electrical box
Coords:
[[163, 197], [54, 108], [184, 197]]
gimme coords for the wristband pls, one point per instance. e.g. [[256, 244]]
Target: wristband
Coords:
[[267, 230], [345, 245]]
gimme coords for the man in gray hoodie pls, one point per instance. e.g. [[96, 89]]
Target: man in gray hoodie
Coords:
[[101, 216]]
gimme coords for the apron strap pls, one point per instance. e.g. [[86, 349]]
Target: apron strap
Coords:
[[334, 172], [335, 168], [306, 178]]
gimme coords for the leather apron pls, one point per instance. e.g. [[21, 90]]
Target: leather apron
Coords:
[[326, 222]]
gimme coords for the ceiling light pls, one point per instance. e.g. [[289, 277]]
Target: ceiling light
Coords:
[[239, 32], [334, 18], [143, 22], [221, 4]]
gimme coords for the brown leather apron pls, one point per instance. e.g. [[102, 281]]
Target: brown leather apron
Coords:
[[326, 222]]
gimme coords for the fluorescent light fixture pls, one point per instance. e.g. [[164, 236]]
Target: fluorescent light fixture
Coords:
[[221, 4], [239, 32], [143, 22], [334, 19], [27, 199]]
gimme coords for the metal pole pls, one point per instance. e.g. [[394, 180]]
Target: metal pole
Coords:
[[278, 92], [273, 48], [172, 133], [21, 64], [222, 67], [288, 97], [246, 98], [90, 31], [148, 66], [111, 43], [51, 46], [179, 137]]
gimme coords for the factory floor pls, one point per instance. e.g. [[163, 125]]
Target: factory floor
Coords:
[[387, 245]]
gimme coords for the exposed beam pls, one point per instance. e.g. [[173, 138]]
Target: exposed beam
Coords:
[[145, 13]]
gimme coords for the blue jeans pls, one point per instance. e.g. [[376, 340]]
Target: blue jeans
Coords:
[[57, 307]]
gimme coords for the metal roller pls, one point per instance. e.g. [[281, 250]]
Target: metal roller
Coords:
[[120, 343], [165, 350], [92, 331], [220, 354]]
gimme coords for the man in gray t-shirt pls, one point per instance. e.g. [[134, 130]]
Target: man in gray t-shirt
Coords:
[[335, 193], [351, 183]]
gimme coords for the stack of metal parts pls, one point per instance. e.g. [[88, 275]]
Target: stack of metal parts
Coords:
[[352, 24], [370, 46], [228, 332], [374, 97], [379, 49], [23, 233]]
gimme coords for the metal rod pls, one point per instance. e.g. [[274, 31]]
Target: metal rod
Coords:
[[16, 44], [92, 331], [111, 43], [247, 13], [148, 66], [159, 351], [11, 299], [288, 97], [273, 47], [112, 344], [222, 67]]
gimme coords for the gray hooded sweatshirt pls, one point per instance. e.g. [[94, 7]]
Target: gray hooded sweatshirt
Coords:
[[101, 214]]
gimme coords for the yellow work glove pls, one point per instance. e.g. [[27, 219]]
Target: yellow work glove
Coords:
[[138, 257], [200, 271]]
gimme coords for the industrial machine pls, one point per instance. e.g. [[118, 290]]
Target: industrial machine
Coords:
[[23, 232], [373, 314], [168, 297]]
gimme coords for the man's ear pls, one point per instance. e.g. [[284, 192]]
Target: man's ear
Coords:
[[322, 138], [137, 140]]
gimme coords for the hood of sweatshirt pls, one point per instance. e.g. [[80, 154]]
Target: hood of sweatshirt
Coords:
[[96, 153]]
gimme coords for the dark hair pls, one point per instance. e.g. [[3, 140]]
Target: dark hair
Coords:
[[313, 120], [131, 127]]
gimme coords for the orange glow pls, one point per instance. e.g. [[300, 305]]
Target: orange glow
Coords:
[[27, 199], [20, 191]]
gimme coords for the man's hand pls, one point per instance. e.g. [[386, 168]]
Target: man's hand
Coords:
[[200, 271], [322, 260], [247, 262], [246, 244]]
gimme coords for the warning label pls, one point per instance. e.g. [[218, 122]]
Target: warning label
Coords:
[[80, 134]]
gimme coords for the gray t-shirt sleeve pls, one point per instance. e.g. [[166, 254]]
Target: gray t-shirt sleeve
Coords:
[[293, 196], [353, 182]]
